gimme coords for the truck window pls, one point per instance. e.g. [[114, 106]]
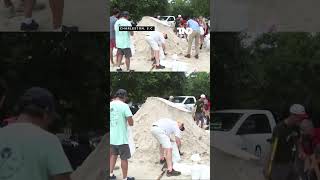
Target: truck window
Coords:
[[190, 101], [171, 19], [255, 124]]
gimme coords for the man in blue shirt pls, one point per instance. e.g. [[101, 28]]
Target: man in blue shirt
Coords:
[[195, 35]]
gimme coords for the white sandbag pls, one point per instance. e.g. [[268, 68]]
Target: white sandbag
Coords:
[[183, 168], [175, 153], [162, 56], [201, 31], [196, 172], [132, 146], [195, 157], [205, 172], [133, 50]]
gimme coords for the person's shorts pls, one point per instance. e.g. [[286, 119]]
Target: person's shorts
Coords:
[[154, 45], [126, 52], [122, 150], [112, 43], [161, 137], [199, 117]]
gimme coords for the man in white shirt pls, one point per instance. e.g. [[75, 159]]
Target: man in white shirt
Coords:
[[161, 130], [156, 40]]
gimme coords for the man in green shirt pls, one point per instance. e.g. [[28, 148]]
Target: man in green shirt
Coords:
[[27, 150], [123, 42], [120, 118]]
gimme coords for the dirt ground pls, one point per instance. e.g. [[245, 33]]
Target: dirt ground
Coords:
[[175, 46], [87, 15]]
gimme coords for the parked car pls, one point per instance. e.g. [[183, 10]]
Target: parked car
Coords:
[[187, 102], [169, 19], [249, 130]]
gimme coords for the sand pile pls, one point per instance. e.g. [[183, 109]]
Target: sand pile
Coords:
[[96, 165], [144, 163], [87, 15], [176, 48]]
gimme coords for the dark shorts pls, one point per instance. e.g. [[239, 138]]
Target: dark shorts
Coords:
[[112, 43], [122, 150], [126, 52]]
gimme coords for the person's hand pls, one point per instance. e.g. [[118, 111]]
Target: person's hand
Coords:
[[165, 53]]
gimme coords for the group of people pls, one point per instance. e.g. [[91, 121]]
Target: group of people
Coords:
[[202, 111], [29, 24], [121, 118], [200, 28], [27, 149], [295, 150]]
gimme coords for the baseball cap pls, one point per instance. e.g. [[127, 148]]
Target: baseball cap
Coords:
[[39, 97], [121, 93], [179, 15], [203, 96], [124, 13], [297, 109]]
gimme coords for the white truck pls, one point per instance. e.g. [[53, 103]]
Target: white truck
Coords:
[[170, 20], [248, 130], [187, 102]]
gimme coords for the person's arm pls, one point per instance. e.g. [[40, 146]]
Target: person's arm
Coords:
[[130, 120], [128, 115], [178, 141], [62, 177], [164, 48], [131, 33]]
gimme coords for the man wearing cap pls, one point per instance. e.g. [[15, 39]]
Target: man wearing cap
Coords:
[[284, 146], [199, 114], [156, 40], [177, 24], [161, 130], [27, 150], [123, 42], [120, 118]]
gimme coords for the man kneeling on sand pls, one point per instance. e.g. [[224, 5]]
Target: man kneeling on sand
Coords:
[[161, 130]]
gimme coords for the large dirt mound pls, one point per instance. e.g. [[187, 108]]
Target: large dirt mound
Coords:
[[194, 139], [96, 165]]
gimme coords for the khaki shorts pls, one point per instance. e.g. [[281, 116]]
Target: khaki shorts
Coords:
[[161, 137], [154, 45]]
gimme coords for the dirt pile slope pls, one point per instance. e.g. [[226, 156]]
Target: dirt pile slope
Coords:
[[96, 165]]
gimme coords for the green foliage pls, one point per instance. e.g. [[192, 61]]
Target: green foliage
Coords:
[[275, 71], [140, 8], [143, 85]]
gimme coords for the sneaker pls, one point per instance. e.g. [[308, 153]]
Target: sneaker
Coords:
[[33, 26], [113, 177], [130, 178], [173, 173], [69, 29], [119, 70], [162, 161], [196, 56], [153, 59], [160, 67], [187, 56]]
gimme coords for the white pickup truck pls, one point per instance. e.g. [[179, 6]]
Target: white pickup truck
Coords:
[[187, 102], [170, 20], [248, 130]]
